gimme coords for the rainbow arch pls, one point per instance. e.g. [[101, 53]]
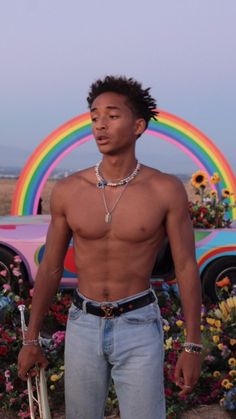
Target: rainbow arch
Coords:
[[78, 130]]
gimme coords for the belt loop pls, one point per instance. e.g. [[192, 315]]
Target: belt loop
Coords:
[[155, 296], [84, 308]]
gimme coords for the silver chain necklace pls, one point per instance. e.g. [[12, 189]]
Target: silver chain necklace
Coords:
[[122, 182], [108, 212], [103, 182]]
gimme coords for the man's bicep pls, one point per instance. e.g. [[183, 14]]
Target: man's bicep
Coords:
[[180, 232], [58, 238], [59, 233]]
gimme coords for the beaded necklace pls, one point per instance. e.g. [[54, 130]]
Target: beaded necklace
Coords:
[[103, 182]]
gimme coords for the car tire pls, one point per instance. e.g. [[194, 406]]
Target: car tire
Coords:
[[217, 270], [6, 260]]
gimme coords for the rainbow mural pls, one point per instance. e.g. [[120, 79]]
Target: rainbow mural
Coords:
[[78, 130]]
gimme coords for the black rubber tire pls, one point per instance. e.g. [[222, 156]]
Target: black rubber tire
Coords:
[[6, 260], [217, 270]]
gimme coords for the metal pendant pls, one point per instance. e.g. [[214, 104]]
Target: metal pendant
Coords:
[[108, 217], [102, 184]]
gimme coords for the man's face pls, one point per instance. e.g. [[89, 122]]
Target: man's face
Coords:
[[114, 125]]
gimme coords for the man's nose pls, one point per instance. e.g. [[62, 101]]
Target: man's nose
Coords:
[[101, 123]]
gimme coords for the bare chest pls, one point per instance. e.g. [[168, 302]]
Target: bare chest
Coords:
[[132, 214]]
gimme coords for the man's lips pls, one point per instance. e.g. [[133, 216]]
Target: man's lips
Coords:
[[103, 139]]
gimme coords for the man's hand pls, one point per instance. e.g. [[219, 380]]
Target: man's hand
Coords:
[[187, 371], [28, 358]]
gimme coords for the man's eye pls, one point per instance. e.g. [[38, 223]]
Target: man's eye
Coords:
[[94, 119], [114, 116]]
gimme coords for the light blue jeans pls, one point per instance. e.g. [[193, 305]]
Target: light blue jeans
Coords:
[[128, 349]]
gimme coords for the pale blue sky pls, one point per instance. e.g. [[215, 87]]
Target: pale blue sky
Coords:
[[51, 51]]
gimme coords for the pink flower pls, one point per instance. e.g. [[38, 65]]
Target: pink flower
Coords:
[[6, 287], [17, 259], [31, 292], [58, 337], [24, 415], [7, 374], [9, 386], [3, 273], [16, 272]]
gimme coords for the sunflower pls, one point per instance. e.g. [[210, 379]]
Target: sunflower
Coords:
[[199, 179], [213, 193], [215, 178], [226, 193]]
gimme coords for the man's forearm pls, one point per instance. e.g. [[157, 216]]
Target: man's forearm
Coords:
[[46, 286], [190, 294]]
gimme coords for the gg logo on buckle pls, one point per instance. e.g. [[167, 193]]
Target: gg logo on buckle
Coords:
[[108, 311]]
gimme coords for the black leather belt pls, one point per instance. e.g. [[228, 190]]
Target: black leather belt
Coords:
[[108, 310]]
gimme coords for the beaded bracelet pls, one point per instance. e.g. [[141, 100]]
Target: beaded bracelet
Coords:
[[33, 342], [192, 347]]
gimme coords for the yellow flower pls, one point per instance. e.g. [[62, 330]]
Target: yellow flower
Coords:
[[226, 193], [202, 327], [232, 373], [52, 387], [199, 179], [225, 382], [179, 323], [185, 332], [228, 386], [220, 346], [168, 343], [55, 377], [215, 178], [210, 321], [232, 362], [216, 374], [232, 342], [166, 327], [215, 338], [218, 324], [62, 368]]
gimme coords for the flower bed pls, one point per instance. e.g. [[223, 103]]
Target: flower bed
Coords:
[[209, 210], [217, 381]]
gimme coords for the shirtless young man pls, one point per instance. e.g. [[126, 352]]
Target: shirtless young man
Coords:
[[114, 327]]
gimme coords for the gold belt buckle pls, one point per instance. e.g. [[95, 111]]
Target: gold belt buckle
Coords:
[[108, 311]]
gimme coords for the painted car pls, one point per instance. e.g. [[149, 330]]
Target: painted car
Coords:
[[25, 236]]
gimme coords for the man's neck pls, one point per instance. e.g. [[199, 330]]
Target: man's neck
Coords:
[[116, 167]]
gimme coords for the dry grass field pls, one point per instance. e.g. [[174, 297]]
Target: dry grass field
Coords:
[[7, 188]]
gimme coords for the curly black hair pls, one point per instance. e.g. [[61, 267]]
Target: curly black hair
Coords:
[[139, 99]]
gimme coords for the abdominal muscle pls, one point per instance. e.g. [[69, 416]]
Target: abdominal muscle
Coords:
[[112, 271]]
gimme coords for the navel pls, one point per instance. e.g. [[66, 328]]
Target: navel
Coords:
[[105, 294]]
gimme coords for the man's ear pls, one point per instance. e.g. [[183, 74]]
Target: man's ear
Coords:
[[140, 126]]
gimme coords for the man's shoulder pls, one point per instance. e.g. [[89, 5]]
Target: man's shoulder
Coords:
[[77, 178], [161, 179], [167, 187]]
